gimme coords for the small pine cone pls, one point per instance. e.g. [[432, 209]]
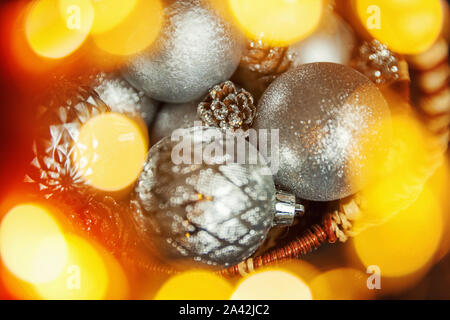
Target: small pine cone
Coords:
[[227, 107], [377, 62], [265, 60], [261, 65]]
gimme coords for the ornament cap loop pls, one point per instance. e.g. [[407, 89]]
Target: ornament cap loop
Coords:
[[286, 209]]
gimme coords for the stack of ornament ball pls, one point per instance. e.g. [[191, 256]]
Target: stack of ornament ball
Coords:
[[333, 126], [333, 123]]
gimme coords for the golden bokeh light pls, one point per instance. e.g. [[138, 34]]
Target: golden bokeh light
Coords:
[[275, 284], [84, 276], [109, 13], [341, 284], [137, 31], [407, 27], [401, 176], [110, 151], [32, 246], [405, 243], [56, 28], [195, 285], [277, 22]]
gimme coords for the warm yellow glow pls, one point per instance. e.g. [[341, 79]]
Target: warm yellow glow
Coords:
[[134, 33], [84, 277], [277, 22], [32, 246], [110, 151], [56, 28], [272, 285], [406, 242], [109, 13], [341, 284], [195, 285], [401, 176], [407, 27]]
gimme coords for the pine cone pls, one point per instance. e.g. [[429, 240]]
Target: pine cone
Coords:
[[261, 65], [377, 62], [265, 60], [228, 108]]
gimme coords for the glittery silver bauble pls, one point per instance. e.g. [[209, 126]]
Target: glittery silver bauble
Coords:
[[195, 50], [172, 116], [204, 215], [332, 124], [333, 41], [121, 97]]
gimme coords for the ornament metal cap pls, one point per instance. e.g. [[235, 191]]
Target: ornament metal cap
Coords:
[[286, 209]]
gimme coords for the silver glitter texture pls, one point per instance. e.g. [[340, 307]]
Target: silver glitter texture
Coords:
[[196, 49], [203, 215], [377, 62], [227, 107], [121, 97], [329, 118]]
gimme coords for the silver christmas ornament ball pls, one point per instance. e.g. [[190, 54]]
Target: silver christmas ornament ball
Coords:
[[121, 97], [333, 41], [333, 124], [172, 116], [195, 50], [203, 215]]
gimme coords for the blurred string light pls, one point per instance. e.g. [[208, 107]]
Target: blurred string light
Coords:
[[110, 151], [56, 28], [110, 13], [407, 27], [405, 243], [41, 262], [195, 285], [410, 161], [277, 22], [85, 275], [32, 245], [132, 33], [275, 284], [341, 284]]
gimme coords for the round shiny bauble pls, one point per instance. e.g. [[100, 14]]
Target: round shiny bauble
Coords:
[[333, 41], [121, 97], [203, 212], [172, 116], [333, 126], [195, 50]]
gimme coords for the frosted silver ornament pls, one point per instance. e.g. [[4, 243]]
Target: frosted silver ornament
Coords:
[[195, 50], [121, 97], [172, 116], [333, 41], [333, 122], [204, 215]]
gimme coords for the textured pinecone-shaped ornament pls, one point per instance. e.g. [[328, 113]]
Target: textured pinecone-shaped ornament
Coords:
[[261, 65], [54, 175], [377, 62], [203, 215], [227, 107], [60, 118]]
